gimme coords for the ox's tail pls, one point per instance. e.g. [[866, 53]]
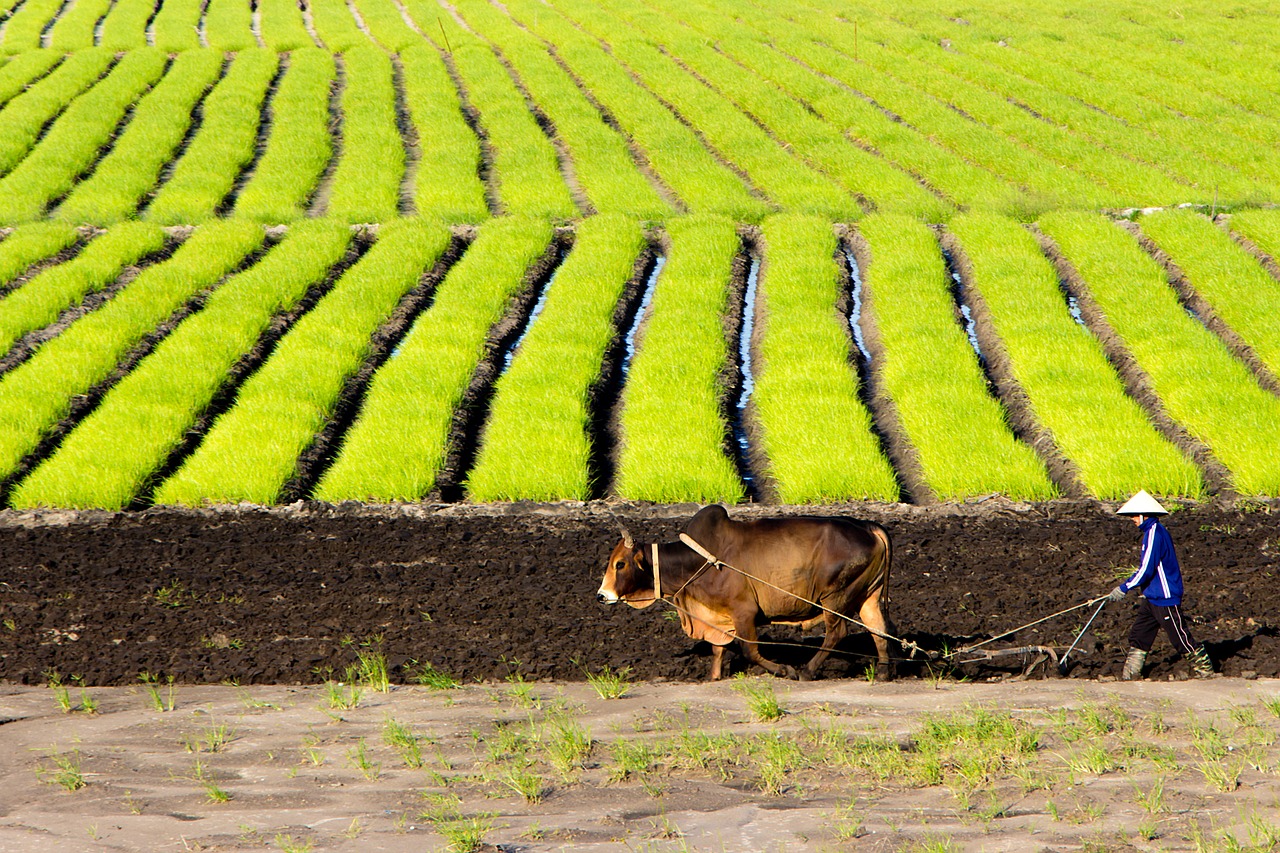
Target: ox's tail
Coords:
[[880, 580]]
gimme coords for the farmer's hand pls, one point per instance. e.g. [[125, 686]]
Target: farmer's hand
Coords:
[[1116, 594]]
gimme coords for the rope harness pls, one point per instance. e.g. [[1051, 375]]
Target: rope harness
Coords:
[[710, 560]]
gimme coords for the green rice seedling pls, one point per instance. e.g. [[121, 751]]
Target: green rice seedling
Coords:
[[38, 303], [609, 683], [25, 116], [1260, 227], [164, 396], [1222, 775], [211, 739], [287, 844], [631, 758], [1240, 291], [426, 674], [1199, 383], [228, 25], [66, 771], [762, 702], [37, 394], [177, 25], [526, 783], [88, 704], [463, 834], [61, 693], [18, 73], [73, 30], [335, 26], [125, 27], [224, 144], [845, 823], [24, 29], [29, 245], [366, 182], [567, 745], [72, 142], [672, 431], [815, 431], [371, 671], [358, 757], [416, 393], [1152, 800], [160, 121], [681, 161], [251, 453], [822, 146], [299, 146], [975, 745], [1092, 759], [151, 683], [1073, 390], [932, 375], [772, 168], [342, 697], [213, 792], [931, 843], [601, 162], [777, 758], [535, 444], [282, 26], [525, 167], [385, 22], [399, 737], [446, 183]]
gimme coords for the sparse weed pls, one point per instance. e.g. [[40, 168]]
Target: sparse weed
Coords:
[[175, 595], [402, 740], [212, 739], [522, 692], [427, 675], [151, 683], [1272, 705], [845, 823], [567, 745], [65, 771], [371, 669], [1091, 760], [212, 791], [608, 683], [1222, 775], [526, 783], [463, 834], [762, 702], [287, 844], [630, 759], [1152, 801], [358, 756], [87, 703], [342, 697], [61, 693]]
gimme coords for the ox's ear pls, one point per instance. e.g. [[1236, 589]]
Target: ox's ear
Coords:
[[627, 541]]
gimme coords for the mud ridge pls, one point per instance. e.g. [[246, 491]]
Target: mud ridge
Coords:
[[84, 234], [860, 362], [193, 127], [1135, 380], [884, 412], [473, 411], [317, 458], [84, 404], [604, 397], [318, 201], [1205, 313], [517, 582], [751, 460], [265, 120], [29, 343], [408, 140], [1019, 412], [245, 368]]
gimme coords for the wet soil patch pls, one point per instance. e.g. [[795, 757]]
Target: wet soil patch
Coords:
[[742, 438], [287, 595]]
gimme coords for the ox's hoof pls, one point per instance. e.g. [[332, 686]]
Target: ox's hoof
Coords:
[[789, 672], [884, 672], [805, 675]]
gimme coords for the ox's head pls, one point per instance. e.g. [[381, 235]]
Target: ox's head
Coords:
[[627, 576]]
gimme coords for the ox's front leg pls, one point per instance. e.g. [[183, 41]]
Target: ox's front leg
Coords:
[[873, 617], [717, 662], [746, 632], [837, 630]]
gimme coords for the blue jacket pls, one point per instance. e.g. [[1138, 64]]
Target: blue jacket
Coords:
[[1158, 574]]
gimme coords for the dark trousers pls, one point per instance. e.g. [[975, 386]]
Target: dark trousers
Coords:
[[1151, 618]]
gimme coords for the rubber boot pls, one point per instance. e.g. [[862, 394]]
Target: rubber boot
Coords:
[[1133, 665], [1200, 664]]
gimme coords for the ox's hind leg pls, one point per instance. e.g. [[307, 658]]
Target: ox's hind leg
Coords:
[[873, 617], [837, 630], [746, 632]]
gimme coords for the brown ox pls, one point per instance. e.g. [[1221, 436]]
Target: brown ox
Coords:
[[839, 563]]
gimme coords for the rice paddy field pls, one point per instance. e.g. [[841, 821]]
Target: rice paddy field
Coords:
[[778, 252]]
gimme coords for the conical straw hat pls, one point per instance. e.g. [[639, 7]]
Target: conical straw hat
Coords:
[[1142, 504]]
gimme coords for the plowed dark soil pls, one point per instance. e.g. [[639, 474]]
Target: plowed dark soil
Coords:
[[290, 595]]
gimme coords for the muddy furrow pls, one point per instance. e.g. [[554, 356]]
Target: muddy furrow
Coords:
[[408, 141], [244, 369], [469, 417], [202, 35], [98, 25], [149, 30], [359, 19], [309, 23], [884, 412], [29, 343], [1019, 412], [266, 120], [471, 116], [197, 119], [255, 26], [36, 79], [318, 203], [604, 399], [83, 405], [313, 463], [1223, 221], [851, 304], [1199, 307], [46, 33], [1136, 382], [743, 438]]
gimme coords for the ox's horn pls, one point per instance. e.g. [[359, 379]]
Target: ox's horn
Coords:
[[626, 537]]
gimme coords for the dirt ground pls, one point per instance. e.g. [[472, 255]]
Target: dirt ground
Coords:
[[850, 765]]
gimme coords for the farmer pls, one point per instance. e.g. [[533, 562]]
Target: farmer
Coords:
[[1160, 580]]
